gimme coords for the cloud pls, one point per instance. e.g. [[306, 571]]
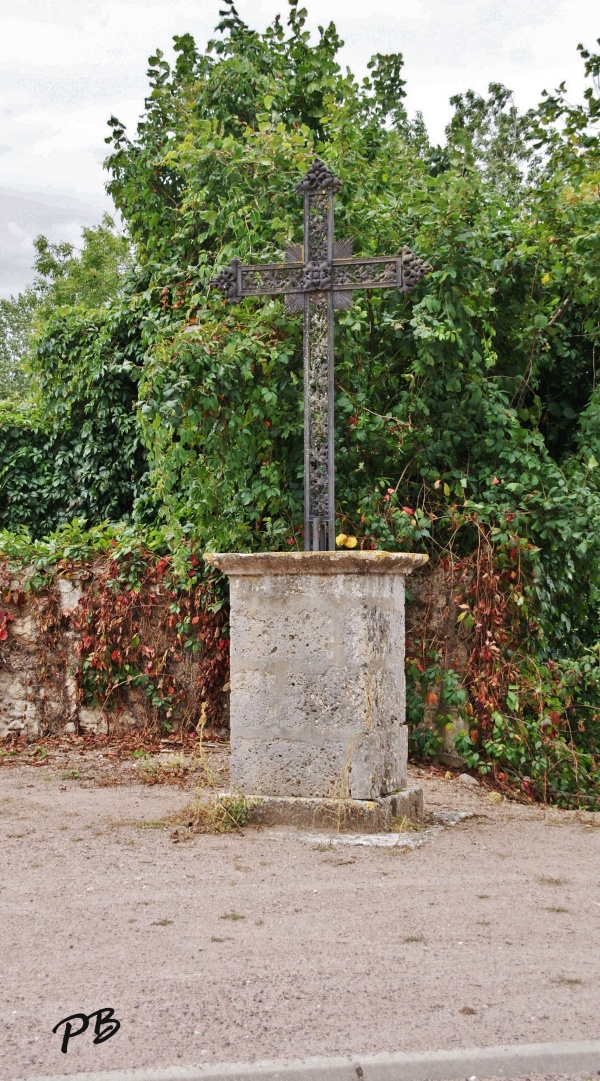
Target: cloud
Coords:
[[23, 216]]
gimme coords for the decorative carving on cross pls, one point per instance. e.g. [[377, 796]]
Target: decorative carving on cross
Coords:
[[317, 277]]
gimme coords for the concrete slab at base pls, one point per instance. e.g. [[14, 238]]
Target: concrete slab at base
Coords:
[[359, 816]]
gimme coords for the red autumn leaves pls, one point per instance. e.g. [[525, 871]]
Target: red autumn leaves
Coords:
[[16, 597]]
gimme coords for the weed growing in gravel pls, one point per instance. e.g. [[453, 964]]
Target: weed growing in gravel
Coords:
[[404, 825], [546, 880], [217, 814], [171, 771], [567, 981], [415, 938], [232, 916], [38, 752]]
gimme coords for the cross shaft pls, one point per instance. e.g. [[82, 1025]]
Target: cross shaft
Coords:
[[316, 278]]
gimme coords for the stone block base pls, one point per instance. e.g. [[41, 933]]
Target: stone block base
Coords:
[[317, 673], [357, 816]]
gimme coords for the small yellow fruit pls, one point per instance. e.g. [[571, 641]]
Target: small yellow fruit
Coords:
[[350, 542], [341, 539]]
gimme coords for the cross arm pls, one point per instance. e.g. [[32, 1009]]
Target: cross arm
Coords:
[[237, 281], [402, 271], [294, 277]]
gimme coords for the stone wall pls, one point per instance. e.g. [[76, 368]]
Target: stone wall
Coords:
[[37, 690], [38, 662], [40, 692], [431, 625]]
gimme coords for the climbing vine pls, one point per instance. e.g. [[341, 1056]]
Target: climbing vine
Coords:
[[150, 641], [531, 725]]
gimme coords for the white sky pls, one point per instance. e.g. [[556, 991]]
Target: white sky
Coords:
[[66, 65]]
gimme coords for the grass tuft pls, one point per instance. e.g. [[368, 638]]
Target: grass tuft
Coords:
[[217, 814], [171, 771], [404, 825]]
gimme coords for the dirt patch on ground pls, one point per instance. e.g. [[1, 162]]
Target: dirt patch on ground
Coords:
[[101, 761], [269, 943]]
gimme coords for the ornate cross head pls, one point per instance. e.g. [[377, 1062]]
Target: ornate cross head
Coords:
[[318, 276]]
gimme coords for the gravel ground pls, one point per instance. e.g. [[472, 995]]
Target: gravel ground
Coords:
[[543, 1077], [273, 943]]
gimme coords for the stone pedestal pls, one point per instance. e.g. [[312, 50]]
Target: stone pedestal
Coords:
[[317, 673]]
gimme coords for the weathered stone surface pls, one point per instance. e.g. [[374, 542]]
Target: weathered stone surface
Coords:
[[466, 778], [362, 816], [124, 719], [24, 630], [70, 594], [18, 711], [321, 563], [317, 673], [92, 720]]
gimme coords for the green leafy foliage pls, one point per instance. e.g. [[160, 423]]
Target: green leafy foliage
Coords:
[[16, 329], [69, 364], [74, 449], [92, 278], [467, 415]]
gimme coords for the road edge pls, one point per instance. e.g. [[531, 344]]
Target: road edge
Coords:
[[457, 1065]]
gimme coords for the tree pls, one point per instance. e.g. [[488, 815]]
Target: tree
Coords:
[[91, 278], [16, 328], [68, 439], [467, 416]]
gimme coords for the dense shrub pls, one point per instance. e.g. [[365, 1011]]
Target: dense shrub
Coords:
[[468, 416], [74, 448]]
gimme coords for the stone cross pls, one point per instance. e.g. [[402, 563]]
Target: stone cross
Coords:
[[317, 277]]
